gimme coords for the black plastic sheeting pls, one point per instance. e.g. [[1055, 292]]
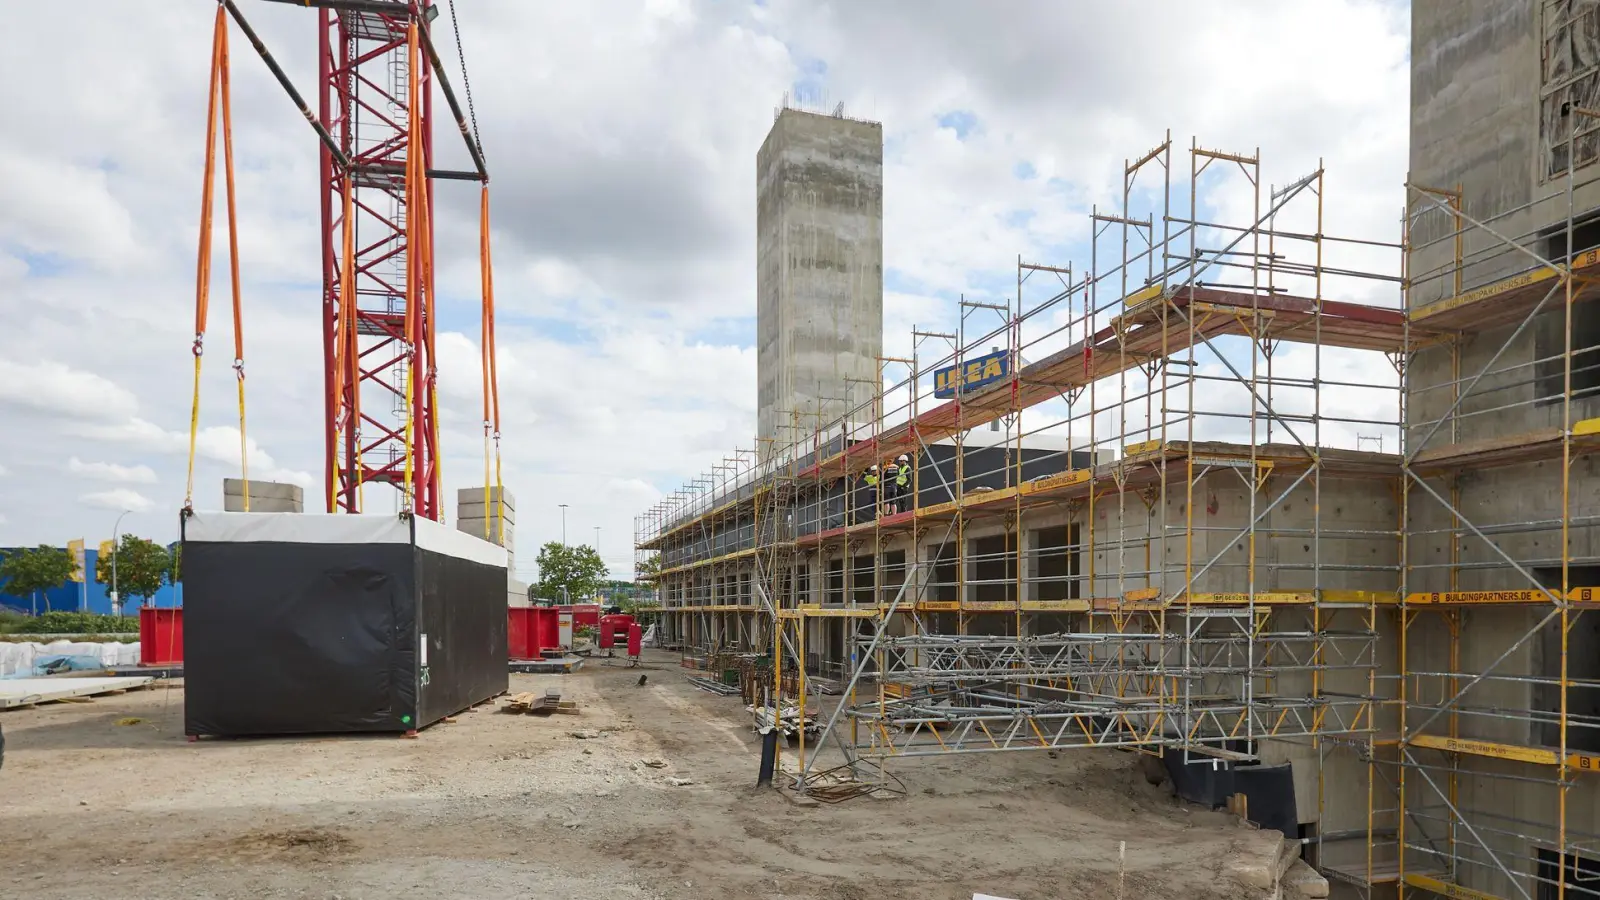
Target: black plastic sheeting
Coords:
[[314, 638], [1269, 790], [462, 610]]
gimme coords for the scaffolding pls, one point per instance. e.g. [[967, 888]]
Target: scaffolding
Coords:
[[1138, 512], [1483, 790]]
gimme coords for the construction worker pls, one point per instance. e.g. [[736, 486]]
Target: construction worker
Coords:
[[902, 484], [869, 485]]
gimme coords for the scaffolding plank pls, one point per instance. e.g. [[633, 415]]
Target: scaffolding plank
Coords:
[[1544, 756], [1504, 301], [1577, 595]]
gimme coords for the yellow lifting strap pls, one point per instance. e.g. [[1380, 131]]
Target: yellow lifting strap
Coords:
[[491, 381], [415, 198], [219, 96]]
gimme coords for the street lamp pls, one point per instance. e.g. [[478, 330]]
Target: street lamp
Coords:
[[116, 604], [563, 524]]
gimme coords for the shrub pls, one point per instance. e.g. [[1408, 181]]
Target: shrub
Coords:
[[64, 622]]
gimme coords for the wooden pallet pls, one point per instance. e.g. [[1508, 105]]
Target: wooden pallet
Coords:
[[529, 703]]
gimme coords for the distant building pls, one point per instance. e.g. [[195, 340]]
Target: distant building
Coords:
[[91, 596]]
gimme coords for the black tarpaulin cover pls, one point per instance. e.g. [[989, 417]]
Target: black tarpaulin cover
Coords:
[[300, 624]]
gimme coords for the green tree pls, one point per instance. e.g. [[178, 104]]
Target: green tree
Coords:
[[142, 565], [26, 572], [579, 570], [638, 604]]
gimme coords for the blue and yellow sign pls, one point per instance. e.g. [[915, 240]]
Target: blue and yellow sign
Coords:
[[971, 374]]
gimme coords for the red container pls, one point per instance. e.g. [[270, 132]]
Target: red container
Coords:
[[544, 631], [583, 614], [635, 639], [519, 634], [160, 635]]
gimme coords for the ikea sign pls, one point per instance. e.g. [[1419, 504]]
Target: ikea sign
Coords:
[[971, 374]]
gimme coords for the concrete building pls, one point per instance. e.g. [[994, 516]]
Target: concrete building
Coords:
[[265, 496], [819, 271]]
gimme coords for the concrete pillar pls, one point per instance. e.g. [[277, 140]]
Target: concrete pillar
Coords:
[[265, 496], [819, 271]]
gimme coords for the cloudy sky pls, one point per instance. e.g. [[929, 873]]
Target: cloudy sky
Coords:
[[621, 137]]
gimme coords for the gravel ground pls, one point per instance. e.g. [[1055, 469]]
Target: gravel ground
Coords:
[[96, 804]]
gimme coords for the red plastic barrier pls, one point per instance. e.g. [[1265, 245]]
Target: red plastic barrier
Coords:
[[160, 635], [635, 639], [519, 634]]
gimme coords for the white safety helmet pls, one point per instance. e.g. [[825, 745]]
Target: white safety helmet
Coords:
[[901, 458]]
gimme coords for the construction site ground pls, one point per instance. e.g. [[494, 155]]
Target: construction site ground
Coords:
[[648, 793]]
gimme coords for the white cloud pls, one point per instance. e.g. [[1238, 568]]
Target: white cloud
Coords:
[[104, 471], [118, 498], [622, 138], [59, 391]]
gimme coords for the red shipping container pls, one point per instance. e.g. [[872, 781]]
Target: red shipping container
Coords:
[[160, 635], [635, 639]]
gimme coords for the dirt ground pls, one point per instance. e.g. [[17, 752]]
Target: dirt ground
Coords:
[[93, 804]]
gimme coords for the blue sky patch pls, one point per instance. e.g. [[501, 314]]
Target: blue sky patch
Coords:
[[962, 122]]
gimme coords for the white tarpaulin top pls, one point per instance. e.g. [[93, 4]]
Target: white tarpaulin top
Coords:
[[323, 528]]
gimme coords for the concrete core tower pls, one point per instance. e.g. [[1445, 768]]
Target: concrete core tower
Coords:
[[819, 271]]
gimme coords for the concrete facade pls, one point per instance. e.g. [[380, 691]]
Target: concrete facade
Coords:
[[265, 496], [819, 271], [1485, 117]]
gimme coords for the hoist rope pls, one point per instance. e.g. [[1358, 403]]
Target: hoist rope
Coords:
[[466, 83]]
